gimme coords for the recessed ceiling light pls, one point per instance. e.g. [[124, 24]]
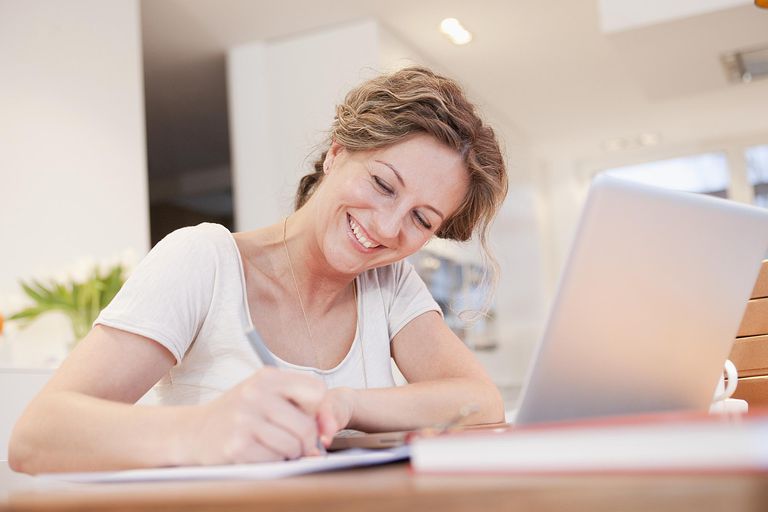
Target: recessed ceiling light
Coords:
[[641, 140], [616, 144], [648, 139], [454, 30]]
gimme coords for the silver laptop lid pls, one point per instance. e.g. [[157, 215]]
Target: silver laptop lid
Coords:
[[648, 304]]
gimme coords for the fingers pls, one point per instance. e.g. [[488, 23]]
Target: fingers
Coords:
[[326, 423], [302, 427], [282, 407], [250, 450], [279, 440], [304, 391]]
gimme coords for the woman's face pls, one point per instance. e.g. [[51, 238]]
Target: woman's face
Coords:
[[380, 206]]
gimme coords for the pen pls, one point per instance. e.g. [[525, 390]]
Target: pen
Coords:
[[258, 346], [454, 422]]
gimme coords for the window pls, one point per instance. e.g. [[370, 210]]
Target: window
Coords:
[[757, 173], [705, 173], [460, 290]]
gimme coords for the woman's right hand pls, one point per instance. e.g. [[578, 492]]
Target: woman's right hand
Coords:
[[270, 416]]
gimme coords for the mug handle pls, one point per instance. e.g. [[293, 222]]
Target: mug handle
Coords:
[[729, 369]]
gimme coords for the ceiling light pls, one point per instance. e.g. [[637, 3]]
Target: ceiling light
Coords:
[[648, 139], [616, 144], [453, 29], [746, 65], [641, 140]]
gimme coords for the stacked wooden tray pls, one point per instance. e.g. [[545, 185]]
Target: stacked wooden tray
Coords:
[[750, 351]]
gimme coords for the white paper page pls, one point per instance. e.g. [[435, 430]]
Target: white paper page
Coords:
[[260, 471]]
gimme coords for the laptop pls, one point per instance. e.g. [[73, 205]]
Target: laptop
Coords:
[[647, 308], [648, 304]]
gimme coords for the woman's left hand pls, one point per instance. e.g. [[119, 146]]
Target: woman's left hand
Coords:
[[335, 412]]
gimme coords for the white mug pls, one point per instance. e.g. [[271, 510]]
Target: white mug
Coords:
[[724, 390]]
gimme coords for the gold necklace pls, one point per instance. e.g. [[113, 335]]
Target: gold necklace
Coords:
[[304, 311], [295, 283]]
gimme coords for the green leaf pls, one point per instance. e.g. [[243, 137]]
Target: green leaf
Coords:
[[112, 285], [33, 293], [29, 313], [80, 301], [64, 294]]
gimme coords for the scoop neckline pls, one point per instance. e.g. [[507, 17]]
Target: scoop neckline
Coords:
[[358, 305]]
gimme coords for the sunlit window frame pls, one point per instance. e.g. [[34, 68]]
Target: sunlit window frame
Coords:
[[740, 188]]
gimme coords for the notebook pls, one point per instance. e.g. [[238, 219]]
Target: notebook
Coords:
[[252, 471], [694, 443]]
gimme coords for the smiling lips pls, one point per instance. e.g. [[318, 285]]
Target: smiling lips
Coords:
[[360, 234]]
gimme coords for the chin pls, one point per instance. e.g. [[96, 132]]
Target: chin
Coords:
[[344, 259]]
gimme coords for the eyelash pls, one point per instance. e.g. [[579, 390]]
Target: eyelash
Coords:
[[420, 220], [383, 186], [386, 189]]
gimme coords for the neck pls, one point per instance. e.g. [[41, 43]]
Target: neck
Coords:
[[319, 285]]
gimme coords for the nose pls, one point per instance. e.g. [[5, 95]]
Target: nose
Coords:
[[388, 223]]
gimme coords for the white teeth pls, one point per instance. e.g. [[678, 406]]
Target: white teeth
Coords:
[[360, 237]]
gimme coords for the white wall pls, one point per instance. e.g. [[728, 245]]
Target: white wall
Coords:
[[73, 178], [281, 101], [73, 181]]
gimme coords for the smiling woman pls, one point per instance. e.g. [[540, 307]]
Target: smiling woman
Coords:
[[388, 201], [391, 108], [328, 289]]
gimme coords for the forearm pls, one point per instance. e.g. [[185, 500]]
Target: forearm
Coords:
[[425, 404], [68, 431]]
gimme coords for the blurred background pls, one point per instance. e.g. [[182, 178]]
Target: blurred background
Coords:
[[123, 120]]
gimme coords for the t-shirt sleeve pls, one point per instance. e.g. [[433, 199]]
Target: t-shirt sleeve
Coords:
[[409, 298], [168, 295]]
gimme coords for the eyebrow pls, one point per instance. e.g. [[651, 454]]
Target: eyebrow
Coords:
[[400, 179]]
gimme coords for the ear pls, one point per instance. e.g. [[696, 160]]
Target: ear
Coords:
[[335, 150]]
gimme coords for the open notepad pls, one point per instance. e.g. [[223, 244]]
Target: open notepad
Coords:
[[260, 471], [648, 443]]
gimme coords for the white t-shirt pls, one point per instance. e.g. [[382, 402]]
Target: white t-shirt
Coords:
[[189, 295]]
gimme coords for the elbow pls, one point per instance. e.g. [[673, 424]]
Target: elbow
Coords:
[[495, 406], [486, 403], [490, 405], [18, 458], [21, 451]]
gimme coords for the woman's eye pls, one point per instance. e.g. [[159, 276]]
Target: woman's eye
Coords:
[[421, 220], [382, 185]]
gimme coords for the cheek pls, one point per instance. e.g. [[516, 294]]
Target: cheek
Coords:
[[363, 195], [340, 194], [416, 240], [348, 188]]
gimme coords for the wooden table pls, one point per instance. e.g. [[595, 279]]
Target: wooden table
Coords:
[[394, 488]]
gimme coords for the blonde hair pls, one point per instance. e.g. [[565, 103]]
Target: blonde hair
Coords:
[[391, 107]]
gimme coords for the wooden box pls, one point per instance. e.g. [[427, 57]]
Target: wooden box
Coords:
[[750, 350], [750, 355], [754, 390], [755, 321], [761, 286]]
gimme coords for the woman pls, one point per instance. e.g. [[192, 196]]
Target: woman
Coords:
[[327, 289]]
